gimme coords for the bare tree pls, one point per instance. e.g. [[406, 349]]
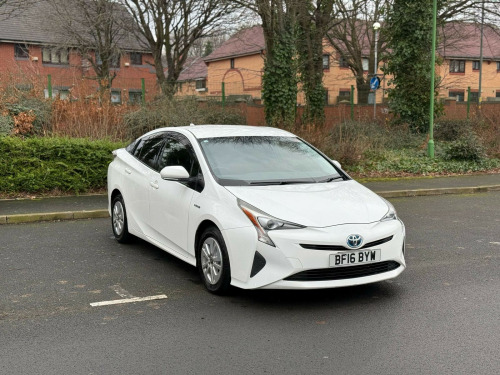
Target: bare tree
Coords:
[[279, 82], [353, 37], [11, 8], [204, 46], [96, 30], [173, 26], [315, 18]]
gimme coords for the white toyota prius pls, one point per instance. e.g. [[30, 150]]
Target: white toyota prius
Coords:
[[253, 207]]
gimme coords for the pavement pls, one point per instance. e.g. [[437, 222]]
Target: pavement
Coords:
[[16, 211]]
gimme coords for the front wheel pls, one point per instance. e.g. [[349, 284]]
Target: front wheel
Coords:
[[119, 220], [213, 261]]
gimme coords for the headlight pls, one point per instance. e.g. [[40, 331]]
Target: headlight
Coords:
[[391, 214], [264, 223]]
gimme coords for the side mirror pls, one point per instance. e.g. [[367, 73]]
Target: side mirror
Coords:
[[337, 164], [174, 173]]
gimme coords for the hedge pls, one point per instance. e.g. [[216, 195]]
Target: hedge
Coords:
[[39, 165]]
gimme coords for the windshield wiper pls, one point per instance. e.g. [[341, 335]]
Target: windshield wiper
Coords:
[[330, 179], [283, 182]]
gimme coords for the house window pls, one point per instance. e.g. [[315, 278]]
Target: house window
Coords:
[[231, 63], [201, 84], [136, 58], [134, 96], [474, 97], [326, 96], [458, 95], [344, 95], [114, 61], [326, 61], [343, 63], [457, 66], [498, 94], [365, 63], [475, 65], [24, 87], [64, 94], [21, 51], [116, 96], [498, 66], [55, 56]]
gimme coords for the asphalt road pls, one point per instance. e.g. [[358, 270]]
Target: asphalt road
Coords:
[[441, 316]]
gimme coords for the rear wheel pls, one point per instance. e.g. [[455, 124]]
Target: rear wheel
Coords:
[[213, 261], [119, 220]]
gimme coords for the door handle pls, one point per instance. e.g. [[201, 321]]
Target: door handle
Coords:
[[128, 171], [154, 185]]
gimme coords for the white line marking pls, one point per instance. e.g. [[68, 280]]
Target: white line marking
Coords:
[[120, 291], [128, 300]]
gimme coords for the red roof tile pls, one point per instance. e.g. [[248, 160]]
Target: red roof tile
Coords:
[[245, 42], [457, 40], [462, 40], [193, 69]]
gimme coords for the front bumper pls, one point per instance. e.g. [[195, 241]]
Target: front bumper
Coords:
[[289, 258]]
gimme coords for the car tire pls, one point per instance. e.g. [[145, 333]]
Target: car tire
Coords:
[[213, 261], [119, 220]]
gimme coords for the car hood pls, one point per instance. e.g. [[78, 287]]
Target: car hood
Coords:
[[316, 205]]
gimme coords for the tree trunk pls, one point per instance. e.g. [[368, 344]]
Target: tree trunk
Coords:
[[363, 88]]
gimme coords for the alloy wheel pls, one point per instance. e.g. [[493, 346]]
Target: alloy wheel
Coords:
[[118, 218], [211, 260]]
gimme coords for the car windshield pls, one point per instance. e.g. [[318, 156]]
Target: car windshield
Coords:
[[266, 161]]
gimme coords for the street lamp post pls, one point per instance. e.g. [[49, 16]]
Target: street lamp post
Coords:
[[481, 57], [430, 144], [376, 26]]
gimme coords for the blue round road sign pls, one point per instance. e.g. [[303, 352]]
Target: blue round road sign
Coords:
[[375, 83]]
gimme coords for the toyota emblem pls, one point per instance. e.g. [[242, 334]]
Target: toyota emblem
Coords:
[[354, 241]]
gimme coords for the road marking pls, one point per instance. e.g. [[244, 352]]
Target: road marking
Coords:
[[128, 300], [120, 291]]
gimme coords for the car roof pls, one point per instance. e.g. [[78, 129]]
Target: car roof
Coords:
[[215, 131]]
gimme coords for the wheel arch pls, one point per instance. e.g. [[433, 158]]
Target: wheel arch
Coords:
[[199, 231], [115, 193]]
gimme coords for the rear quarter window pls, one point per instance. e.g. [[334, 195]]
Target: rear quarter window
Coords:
[[148, 149], [130, 148]]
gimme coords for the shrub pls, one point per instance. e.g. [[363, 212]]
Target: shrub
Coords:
[[348, 142], [469, 147], [452, 130], [6, 125], [351, 140], [179, 112], [407, 162], [89, 119], [38, 111], [38, 165], [489, 132]]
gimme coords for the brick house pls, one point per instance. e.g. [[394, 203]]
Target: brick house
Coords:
[[460, 51], [239, 63], [29, 53], [193, 78]]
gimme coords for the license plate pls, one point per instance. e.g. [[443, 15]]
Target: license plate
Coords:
[[354, 257]]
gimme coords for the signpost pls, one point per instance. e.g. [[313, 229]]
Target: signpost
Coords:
[[375, 79], [375, 83]]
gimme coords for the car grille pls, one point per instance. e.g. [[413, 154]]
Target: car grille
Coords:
[[339, 273], [340, 247]]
